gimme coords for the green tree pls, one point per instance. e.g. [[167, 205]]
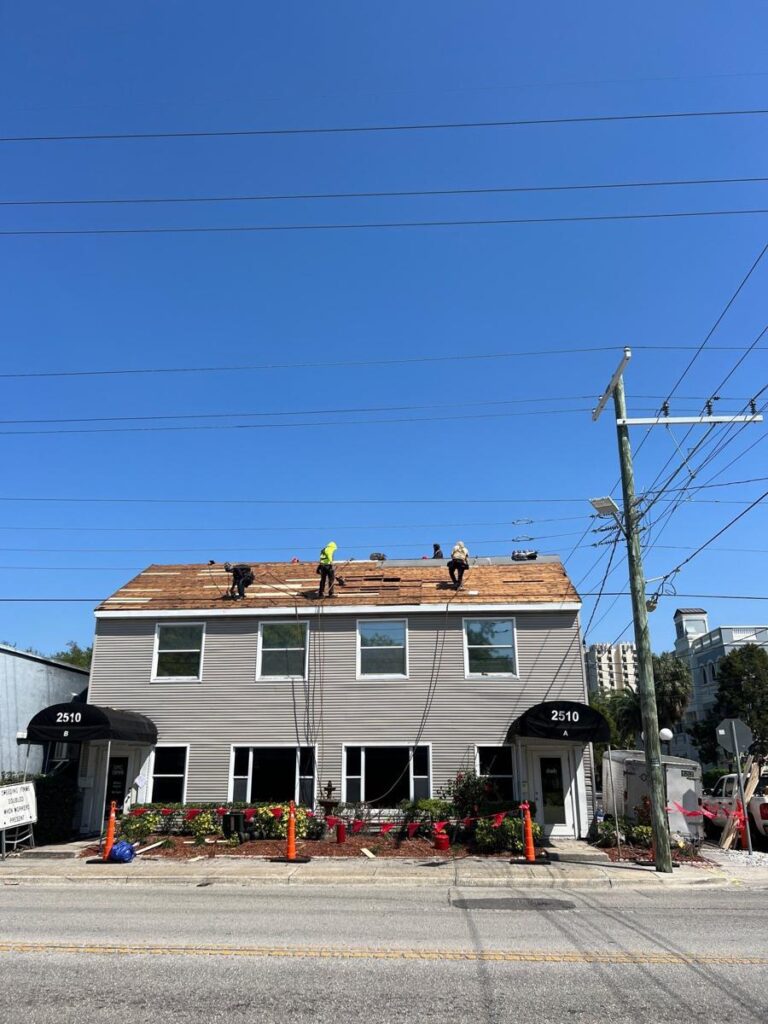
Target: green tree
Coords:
[[672, 681], [742, 692], [76, 655]]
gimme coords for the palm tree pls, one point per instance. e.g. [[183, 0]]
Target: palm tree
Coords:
[[672, 680]]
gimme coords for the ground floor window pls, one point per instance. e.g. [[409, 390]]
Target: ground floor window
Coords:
[[169, 775], [383, 776], [494, 764], [274, 774]]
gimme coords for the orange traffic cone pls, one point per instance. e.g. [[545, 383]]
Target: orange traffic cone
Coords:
[[530, 852], [109, 840], [290, 853]]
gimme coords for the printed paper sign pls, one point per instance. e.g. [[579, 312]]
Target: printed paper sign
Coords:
[[18, 805]]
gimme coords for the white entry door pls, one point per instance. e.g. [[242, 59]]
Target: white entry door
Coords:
[[551, 782]]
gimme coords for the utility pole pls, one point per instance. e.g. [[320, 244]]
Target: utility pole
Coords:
[[645, 684], [630, 526]]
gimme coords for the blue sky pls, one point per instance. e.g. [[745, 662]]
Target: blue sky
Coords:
[[325, 297]]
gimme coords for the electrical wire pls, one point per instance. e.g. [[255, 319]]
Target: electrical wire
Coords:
[[397, 194], [369, 129], [372, 225], [183, 428], [343, 363], [300, 412]]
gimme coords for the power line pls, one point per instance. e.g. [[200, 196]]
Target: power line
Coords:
[[368, 129], [270, 547], [182, 428], [395, 194], [293, 529], [297, 412], [335, 364], [719, 320], [371, 225], [720, 532], [308, 412], [325, 501]]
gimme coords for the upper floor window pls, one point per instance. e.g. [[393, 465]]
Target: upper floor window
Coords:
[[179, 651], [490, 647], [382, 647], [282, 650]]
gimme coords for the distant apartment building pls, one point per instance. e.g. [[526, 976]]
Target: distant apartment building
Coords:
[[702, 648], [611, 667]]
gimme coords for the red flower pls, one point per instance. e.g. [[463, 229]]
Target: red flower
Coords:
[[277, 812], [249, 813], [166, 811], [192, 813], [138, 811], [310, 814], [221, 811]]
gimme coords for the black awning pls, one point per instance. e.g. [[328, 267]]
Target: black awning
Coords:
[[562, 720], [78, 723]]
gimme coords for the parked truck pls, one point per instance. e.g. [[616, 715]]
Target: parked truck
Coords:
[[721, 801]]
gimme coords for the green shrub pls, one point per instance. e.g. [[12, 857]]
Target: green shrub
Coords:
[[508, 836], [467, 794], [135, 827], [205, 824], [607, 830], [640, 835]]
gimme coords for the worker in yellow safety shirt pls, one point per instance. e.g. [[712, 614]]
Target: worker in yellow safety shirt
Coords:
[[326, 570]]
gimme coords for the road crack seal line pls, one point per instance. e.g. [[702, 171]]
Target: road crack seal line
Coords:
[[338, 953]]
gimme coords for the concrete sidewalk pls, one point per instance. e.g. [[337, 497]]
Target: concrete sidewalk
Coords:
[[252, 871]]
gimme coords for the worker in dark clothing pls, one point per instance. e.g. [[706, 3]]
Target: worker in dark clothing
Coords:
[[459, 563], [242, 577], [437, 551], [326, 570]]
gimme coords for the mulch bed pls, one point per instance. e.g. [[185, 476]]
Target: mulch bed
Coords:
[[642, 855], [417, 848]]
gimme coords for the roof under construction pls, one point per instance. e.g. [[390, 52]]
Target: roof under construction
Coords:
[[282, 584]]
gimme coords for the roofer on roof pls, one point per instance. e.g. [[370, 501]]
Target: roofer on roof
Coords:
[[459, 563], [325, 569]]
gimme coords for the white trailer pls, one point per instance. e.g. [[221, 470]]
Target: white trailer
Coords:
[[625, 785]]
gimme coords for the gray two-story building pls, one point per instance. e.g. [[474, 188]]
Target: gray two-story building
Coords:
[[386, 690]]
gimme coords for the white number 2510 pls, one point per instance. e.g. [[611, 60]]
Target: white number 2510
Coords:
[[565, 716]]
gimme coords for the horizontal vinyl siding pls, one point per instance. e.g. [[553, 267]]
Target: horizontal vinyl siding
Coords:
[[230, 706]]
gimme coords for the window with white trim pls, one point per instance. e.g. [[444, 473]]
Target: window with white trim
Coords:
[[490, 647], [179, 650], [382, 648], [169, 773], [383, 776], [283, 650], [279, 774], [494, 765]]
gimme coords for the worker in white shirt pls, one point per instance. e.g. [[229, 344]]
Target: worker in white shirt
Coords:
[[459, 563]]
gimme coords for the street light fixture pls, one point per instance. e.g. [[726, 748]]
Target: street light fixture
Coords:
[[605, 507]]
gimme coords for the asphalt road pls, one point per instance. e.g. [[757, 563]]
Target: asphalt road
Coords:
[[210, 954]]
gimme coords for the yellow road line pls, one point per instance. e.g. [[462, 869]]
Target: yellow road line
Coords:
[[340, 953]]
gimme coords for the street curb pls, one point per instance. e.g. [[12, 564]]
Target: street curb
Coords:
[[388, 882]]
